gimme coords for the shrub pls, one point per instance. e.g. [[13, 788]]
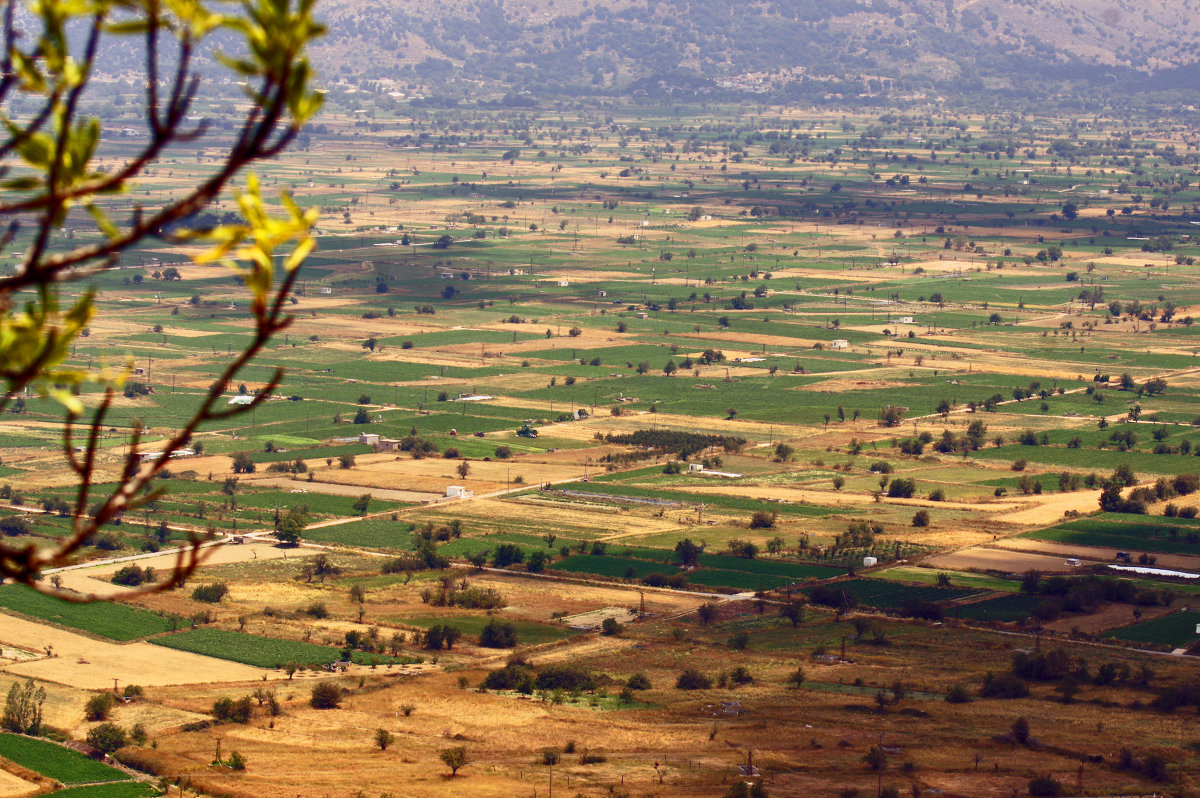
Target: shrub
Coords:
[[692, 679], [15, 525], [227, 709], [920, 518], [132, 576], [958, 695], [565, 677], [211, 594], [638, 681], [498, 634], [99, 706], [326, 695], [1045, 786], [1006, 685], [516, 675], [761, 519], [106, 738]]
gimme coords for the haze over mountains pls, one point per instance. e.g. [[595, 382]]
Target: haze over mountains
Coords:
[[1115, 50]]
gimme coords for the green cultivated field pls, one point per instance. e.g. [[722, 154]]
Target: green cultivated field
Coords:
[[892, 595], [265, 652], [529, 633], [1133, 533], [1173, 631], [106, 619], [714, 570], [1004, 609], [54, 761]]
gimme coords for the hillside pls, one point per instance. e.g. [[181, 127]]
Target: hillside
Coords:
[[459, 48]]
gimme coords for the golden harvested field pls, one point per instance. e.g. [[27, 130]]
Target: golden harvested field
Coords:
[[997, 559], [433, 475], [91, 664], [13, 787]]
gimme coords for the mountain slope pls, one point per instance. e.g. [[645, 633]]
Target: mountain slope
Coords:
[[856, 46]]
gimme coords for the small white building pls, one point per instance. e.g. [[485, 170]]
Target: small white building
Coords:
[[458, 492], [325, 290], [643, 315], [839, 343], [369, 438], [602, 293], [870, 561], [563, 283], [905, 320]]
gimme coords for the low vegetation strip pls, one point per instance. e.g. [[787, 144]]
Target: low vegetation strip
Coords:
[[55, 762], [266, 652], [106, 619], [124, 789], [1172, 631]]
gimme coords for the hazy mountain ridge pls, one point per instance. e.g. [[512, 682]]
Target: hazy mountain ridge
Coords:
[[856, 46]]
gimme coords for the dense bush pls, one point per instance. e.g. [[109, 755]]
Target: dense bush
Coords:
[[211, 594], [1005, 685], [692, 679], [498, 634], [326, 695]]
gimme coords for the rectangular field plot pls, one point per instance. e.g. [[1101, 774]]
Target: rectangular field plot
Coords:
[[619, 567], [265, 652], [1173, 631], [792, 570], [56, 762], [106, 619], [892, 595], [1133, 533], [1004, 609], [715, 570]]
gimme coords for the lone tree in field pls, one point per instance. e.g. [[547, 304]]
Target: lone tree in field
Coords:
[[50, 148], [326, 695], [107, 737], [23, 708], [455, 758], [383, 739]]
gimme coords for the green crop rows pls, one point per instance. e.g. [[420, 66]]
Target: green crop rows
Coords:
[[1128, 532], [265, 652], [106, 619], [1004, 609], [893, 595], [1173, 631], [54, 761]]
